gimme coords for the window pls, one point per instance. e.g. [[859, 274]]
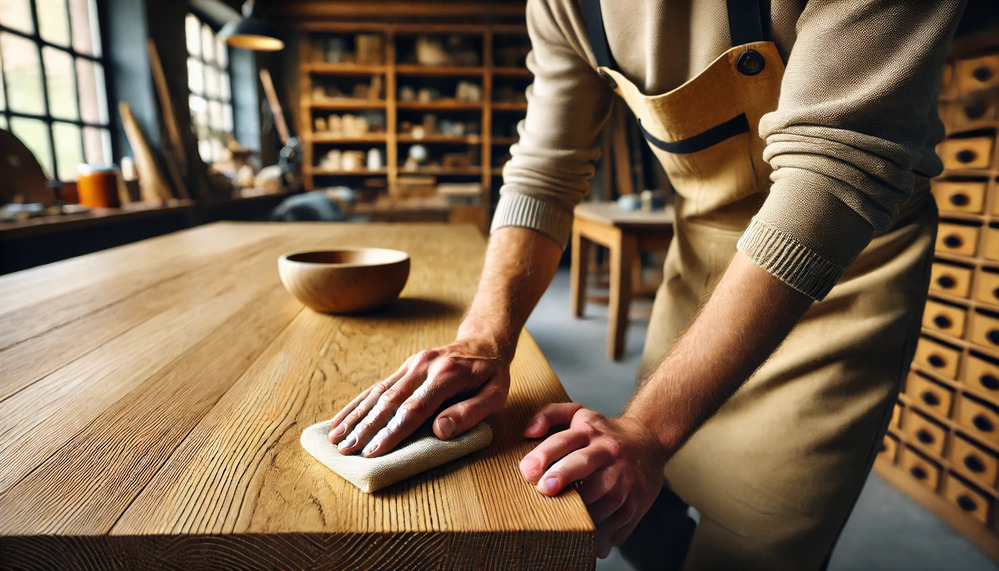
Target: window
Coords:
[[208, 81], [52, 89]]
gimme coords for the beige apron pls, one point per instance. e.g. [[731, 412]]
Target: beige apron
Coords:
[[776, 472]]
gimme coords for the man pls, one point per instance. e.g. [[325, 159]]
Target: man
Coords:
[[762, 408]]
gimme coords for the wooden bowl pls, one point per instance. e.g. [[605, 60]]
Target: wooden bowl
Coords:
[[348, 280]]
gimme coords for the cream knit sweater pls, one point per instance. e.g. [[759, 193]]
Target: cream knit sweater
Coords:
[[856, 121]]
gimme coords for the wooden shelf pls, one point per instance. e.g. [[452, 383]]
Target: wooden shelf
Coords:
[[320, 68], [438, 106], [504, 140], [347, 104], [326, 172], [509, 106], [439, 71], [441, 140], [329, 139], [513, 71], [441, 171]]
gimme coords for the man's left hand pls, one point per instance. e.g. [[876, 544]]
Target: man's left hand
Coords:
[[617, 463]]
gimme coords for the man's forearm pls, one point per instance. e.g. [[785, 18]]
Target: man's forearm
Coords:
[[520, 264], [744, 321]]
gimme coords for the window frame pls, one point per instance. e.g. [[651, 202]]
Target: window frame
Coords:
[[227, 103], [47, 117]]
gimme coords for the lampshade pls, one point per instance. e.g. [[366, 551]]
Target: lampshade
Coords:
[[251, 32]]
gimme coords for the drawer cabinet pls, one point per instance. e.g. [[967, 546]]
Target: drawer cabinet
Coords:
[[991, 250], [975, 462], [978, 420], [926, 433], [932, 397], [984, 330], [954, 196], [970, 153], [937, 357], [919, 468], [987, 288], [969, 111], [944, 318], [950, 279], [981, 376], [973, 502], [958, 239], [976, 73], [889, 449]]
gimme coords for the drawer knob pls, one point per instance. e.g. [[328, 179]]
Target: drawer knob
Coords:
[[945, 282], [974, 463], [975, 109], [995, 293], [959, 199], [965, 156], [989, 381], [966, 503], [924, 436], [952, 241], [982, 423], [918, 473], [930, 398], [936, 361], [942, 321], [982, 73], [993, 336]]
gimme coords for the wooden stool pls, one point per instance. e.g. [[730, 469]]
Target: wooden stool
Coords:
[[624, 233]]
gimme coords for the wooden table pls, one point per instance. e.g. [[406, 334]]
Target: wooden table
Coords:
[[625, 233], [152, 397]]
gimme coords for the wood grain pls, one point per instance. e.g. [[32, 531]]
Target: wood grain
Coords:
[[156, 425]]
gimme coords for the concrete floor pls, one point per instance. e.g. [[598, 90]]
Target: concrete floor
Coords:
[[887, 530]]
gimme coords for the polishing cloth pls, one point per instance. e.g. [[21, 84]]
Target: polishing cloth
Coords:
[[416, 454]]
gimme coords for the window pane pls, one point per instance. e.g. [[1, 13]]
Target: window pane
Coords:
[[205, 150], [226, 92], [93, 100], [86, 34], [69, 149], [35, 135], [211, 81], [195, 76], [97, 145], [53, 21], [193, 33], [221, 53], [217, 148], [227, 118], [61, 83], [199, 113], [24, 74], [3, 121], [3, 102], [215, 115], [16, 14], [207, 44]]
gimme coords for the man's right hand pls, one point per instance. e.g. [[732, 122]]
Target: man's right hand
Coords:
[[386, 413]]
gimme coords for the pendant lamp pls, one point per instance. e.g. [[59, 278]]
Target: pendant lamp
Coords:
[[251, 32]]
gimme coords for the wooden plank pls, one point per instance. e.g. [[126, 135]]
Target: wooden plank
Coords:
[[173, 153], [190, 419], [152, 184]]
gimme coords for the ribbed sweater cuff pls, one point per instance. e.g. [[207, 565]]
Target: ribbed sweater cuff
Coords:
[[789, 260], [514, 209]]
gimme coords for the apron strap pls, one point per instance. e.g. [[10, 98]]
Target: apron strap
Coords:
[[595, 30], [745, 21]]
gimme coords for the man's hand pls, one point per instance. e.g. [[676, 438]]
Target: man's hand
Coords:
[[618, 461], [383, 415]]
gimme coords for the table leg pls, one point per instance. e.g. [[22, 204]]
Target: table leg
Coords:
[[577, 282], [621, 254]]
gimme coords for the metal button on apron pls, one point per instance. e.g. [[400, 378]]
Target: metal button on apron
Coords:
[[750, 62]]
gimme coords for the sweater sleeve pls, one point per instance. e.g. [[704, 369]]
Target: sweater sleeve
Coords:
[[855, 123], [567, 105]]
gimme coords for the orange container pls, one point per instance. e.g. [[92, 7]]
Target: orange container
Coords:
[[97, 186]]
